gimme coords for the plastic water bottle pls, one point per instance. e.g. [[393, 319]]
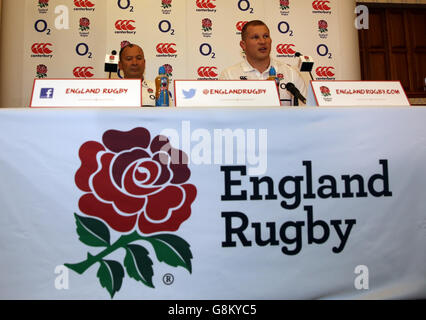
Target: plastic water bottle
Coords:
[[162, 88], [272, 73]]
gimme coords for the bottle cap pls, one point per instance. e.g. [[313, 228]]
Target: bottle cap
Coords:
[[162, 70]]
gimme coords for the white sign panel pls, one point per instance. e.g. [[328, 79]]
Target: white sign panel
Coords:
[[359, 93], [226, 93], [50, 93]]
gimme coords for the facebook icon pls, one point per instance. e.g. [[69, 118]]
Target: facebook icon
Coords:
[[46, 93]]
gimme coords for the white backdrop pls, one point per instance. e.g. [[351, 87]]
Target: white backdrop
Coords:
[[53, 36]]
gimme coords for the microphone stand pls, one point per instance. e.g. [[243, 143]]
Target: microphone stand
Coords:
[[295, 102]]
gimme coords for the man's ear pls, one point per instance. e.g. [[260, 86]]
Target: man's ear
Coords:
[[243, 45]]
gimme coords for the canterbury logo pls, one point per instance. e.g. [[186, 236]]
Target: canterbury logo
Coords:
[[285, 49], [207, 72], [41, 48], [82, 72], [125, 25], [206, 4], [325, 72], [240, 25], [83, 4], [321, 5], [166, 48]]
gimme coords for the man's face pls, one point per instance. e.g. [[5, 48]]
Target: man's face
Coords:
[[132, 62], [257, 44]]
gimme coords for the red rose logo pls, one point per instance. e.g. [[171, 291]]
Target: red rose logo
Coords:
[[43, 3], [135, 184], [84, 24], [41, 71], [322, 25], [166, 4], [138, 187], [325, 91], [206, 25], [284, 4]]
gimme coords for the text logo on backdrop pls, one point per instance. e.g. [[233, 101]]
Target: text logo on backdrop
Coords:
[[84, 27], [239, 26], [41, 71], [166, 5], [136, 188], [166, 50], [207, 73], [321, 7], [41, 50], [205, 5], [285, 50], [241, 231], [43, 6], [125, 27], [325, 73], [83, 72], [84, 5]]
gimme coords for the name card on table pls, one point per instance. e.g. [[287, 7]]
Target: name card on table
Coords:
[[226, 93], [357, 93], [60, 93]]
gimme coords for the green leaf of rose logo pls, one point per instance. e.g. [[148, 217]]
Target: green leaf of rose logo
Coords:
[[137, 188]]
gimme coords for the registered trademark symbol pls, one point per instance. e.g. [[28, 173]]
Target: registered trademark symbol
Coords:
[[168, 279]]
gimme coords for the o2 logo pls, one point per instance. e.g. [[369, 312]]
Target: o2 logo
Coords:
[[126, 6], [41, 26], [284, 28], [207, 50], [165, 26], [82, 50], [244, 5], [323, 51]]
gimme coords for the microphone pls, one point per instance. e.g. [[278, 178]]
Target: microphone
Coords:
[[306, 63], [111, 62], [295, 92]]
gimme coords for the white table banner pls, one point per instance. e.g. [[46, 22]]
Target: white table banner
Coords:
[[277, 203], [60, 93], [358, 93]]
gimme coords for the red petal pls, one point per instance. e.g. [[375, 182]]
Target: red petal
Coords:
[[89, 165], [177, 217], [106, 190], [91, 206], [133, 188]]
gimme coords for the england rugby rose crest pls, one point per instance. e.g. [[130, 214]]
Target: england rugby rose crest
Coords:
[[41, 71], [284, 4], [136, 188], [325, 91]]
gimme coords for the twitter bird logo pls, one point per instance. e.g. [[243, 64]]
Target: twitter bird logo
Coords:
[[189, 94]]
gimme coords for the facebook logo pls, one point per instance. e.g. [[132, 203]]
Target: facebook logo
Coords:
[[46, 93]]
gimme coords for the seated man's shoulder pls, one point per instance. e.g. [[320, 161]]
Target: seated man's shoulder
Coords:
[[231, 72]]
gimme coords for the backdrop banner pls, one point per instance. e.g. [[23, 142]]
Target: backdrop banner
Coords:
[[193, 39], [272, 203]]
